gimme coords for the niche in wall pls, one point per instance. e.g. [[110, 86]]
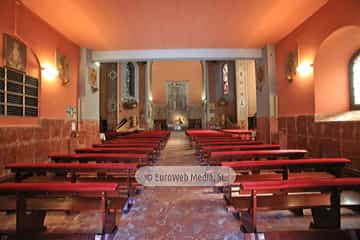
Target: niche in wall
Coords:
[[331, 75]]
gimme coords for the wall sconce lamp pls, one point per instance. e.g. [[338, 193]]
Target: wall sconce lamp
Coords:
[[291, 64], [305, 68], [49, 72], [150, 98]]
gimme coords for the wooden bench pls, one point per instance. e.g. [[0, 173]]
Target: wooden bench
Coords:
[[121, 173], [282, 169], [328, 234], [143, 141], [205, 151], [218, 157], [192, 134], [229, 140], [33, 200], [140, 159], [145, 134], [199, 145], [139, 150], [156, 146], [243, 133], [224, 138], [202, 132], [321, 195]]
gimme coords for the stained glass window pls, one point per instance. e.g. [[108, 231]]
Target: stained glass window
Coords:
[[225, 78], [355, 81]]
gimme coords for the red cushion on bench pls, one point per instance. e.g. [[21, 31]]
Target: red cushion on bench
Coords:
[[95, 166], [105, 150], [133, 140], [230, 146], [237, 130], [128, 144], [194, 132], [97, 155], [58, 187], [259, 152], [286, 162], [227, 142], [300, 184]]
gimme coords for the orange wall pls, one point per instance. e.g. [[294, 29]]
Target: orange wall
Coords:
[[16, 19], [332, 71], [176, 70], [297, 98]]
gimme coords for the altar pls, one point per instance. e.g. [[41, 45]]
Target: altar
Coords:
[[178, 123]]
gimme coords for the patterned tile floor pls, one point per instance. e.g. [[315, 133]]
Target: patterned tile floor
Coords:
[[175, 213]]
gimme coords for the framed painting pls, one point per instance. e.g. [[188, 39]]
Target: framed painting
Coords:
[[14, 53], [63, 66], [92, 79]]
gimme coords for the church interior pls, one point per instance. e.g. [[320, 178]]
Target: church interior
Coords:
[[232, 119]]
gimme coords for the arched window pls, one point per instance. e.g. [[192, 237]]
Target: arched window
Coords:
[[225, 78], [354, 76]]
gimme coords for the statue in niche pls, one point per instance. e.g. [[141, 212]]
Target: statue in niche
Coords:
[[225, 78]]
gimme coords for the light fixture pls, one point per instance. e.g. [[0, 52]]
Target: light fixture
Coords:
[[203, 98], [49, 72], [97, 64], [290, 64], [150, 98], [305, 68]]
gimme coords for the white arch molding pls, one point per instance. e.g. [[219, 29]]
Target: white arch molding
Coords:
[[177, 54]]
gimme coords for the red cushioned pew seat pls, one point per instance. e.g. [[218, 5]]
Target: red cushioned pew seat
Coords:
[[127, 144], [139, 150], [321, 195], [199, 145], [138, 141], [218, 157], [141, 159], [143, 150], [282, 169], [33, 200], [319, 234], [243, 133], [122, 173], [205, 151]]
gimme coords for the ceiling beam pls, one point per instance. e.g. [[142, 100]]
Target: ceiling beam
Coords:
[[177, 54]]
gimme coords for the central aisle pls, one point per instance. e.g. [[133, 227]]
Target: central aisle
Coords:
[[178, 212]]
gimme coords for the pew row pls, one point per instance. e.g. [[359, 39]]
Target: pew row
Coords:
[[350, 234], [205, 151], [140, 159], [139, 150], [143, 141], [215, 158], [127, 145], [32, 201], [282, 169], [243, 133], [202, 144], [123, 173], [142, 134], [322, 196]]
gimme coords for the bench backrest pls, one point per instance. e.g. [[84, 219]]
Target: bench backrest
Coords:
[[303, 184], [56, 187]]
